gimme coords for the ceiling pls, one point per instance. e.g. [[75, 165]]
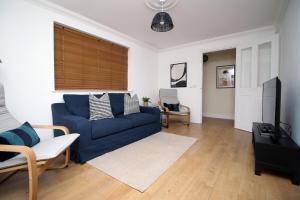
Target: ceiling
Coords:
[[194, 20]]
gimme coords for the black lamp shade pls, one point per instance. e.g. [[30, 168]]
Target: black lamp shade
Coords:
[[162, 22]]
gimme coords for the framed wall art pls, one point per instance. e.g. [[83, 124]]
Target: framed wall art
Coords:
[[225, 76], [178, 75]]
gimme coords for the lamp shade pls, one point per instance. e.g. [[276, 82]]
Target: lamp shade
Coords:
[[162, 22]]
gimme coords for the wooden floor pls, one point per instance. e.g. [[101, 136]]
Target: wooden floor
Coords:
[[219, 166]]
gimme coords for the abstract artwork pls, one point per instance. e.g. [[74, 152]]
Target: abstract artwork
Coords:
[[225, 76], [178, 75]]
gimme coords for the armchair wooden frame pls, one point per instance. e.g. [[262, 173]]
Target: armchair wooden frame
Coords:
[[186, 114], [35, 168]]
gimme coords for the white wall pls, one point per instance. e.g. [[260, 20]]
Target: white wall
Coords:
[[27, 71], [192, 54], [289, 71], [26, 49], [217, 103]]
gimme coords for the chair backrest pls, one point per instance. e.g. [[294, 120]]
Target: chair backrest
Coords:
[[168, 96], [7, 121]]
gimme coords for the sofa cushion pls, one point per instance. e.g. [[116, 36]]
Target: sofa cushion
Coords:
[[78, 104], [104, 127], [117, 103], [100, 107], [140, 119], [131, 104]]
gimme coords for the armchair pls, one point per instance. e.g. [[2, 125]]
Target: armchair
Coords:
[[170, 96], [38, 158]]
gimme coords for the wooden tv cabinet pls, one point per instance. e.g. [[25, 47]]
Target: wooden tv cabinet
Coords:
[[283, 155]]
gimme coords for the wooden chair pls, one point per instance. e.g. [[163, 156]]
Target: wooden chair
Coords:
[[37, 158], [170, 96]]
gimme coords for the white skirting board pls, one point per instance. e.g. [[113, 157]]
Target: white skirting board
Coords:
[[219, 116]]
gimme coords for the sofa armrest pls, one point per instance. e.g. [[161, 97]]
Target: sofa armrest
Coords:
[[150, 110], [76, 124]]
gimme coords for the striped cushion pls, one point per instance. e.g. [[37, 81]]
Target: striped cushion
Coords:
[[100, 107], [25, 135], [131, 104]]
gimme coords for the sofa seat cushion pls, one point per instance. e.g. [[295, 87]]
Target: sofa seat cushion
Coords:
[[140, 119], [104, 127]]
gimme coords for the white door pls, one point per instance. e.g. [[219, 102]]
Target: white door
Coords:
[[255, 63]]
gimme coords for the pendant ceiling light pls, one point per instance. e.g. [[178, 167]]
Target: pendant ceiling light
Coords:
[[162, 21]]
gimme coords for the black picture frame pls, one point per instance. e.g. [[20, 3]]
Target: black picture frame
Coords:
[[180, 81], [227, 82]]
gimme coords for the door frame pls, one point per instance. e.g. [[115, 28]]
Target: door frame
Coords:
[[210, 50], [274, 38]]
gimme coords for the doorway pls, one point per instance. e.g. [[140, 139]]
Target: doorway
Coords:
[[218, 91]]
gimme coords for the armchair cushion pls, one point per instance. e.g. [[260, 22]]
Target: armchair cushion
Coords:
[[183, 108], [178, 113], [24, 135], [44, 150]]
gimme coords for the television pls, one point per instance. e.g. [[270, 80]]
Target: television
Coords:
[[271, 106]]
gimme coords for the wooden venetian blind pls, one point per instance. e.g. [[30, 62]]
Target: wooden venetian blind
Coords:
[[87, 62]]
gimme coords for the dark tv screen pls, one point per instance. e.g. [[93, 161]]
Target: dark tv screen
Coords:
[[271, 102]]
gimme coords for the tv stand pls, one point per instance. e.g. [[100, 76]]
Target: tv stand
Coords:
[[282, 154], [266, 128]]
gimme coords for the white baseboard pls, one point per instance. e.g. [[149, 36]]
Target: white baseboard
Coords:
[[219, 116]]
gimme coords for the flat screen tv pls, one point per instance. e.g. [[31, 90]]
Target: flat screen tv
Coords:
[[271, 105]]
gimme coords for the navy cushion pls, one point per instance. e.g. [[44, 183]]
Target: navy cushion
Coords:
[[25, 135], [104, 127], [78, 104], [140, 119], [172, 107], [117, 103]]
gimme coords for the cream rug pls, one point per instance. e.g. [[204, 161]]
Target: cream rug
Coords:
[[139, 164]]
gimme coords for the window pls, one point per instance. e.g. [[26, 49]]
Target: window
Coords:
[[87, 62]]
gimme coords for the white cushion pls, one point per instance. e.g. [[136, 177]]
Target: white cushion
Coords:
[[44, 150], [131, 104], [183, 109], [178, 113]]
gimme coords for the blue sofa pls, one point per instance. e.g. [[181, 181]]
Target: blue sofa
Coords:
[[101, 136]]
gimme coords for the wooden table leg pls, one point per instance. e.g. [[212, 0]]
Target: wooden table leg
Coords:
[[167, 120]]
